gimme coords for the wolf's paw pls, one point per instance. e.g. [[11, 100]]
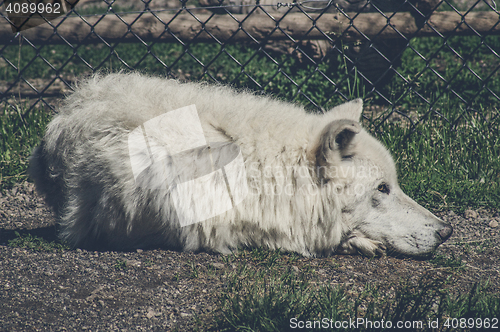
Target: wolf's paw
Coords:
[[362, 245]]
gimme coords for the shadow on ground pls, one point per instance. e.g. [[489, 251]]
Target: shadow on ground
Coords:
[[48, 234]]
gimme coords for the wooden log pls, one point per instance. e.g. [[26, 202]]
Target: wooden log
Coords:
[[258, 26]]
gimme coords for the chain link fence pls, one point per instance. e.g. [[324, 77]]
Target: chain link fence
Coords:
[[409, 60]]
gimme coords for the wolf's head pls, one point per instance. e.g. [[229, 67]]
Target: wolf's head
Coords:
[[376, 214]]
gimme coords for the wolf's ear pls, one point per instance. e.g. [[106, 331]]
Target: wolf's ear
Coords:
[[336, 142], [351, 111], [337, 136]]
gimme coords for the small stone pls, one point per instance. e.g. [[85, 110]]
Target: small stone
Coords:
[[139, 251], [133, 262], [493, 224], [218, 266], [151, 313], [470, 214]]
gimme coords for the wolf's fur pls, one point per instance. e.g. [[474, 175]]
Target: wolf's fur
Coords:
[[318, 183]]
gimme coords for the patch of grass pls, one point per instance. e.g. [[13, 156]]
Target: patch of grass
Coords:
[[476, 304], [19, 136], [120, 264], [261, 257], [444, 261], [273, 301], [445, 166], [293, 257], [480, 246], [266, 303], [485, 245], [335, 265], [148, 263], [32, 242], [267, 258], [194, 270], [246, 65], [242, 65]]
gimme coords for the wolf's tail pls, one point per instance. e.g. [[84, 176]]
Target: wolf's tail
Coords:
[[48, 180]]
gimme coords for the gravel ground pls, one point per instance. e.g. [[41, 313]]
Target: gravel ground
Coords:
[[162, 290]]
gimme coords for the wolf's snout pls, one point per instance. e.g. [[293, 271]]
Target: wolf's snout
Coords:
[[445, 232]]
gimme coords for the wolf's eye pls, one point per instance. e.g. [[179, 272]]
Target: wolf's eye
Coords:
[[383, 188]]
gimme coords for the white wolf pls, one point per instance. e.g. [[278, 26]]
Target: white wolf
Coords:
[[316, 183]]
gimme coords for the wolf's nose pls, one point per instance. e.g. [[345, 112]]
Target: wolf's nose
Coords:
[[445, 232]]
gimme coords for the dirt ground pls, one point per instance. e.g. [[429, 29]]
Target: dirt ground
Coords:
[[162, 290]]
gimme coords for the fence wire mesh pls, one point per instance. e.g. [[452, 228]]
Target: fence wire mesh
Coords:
[[409, 60]]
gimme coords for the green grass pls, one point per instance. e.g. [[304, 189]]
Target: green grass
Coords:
[[278, 299], [120, 265], [214, 61], [19, 137], [33, 242], [445, 167], [245, 66], [444, 261]]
